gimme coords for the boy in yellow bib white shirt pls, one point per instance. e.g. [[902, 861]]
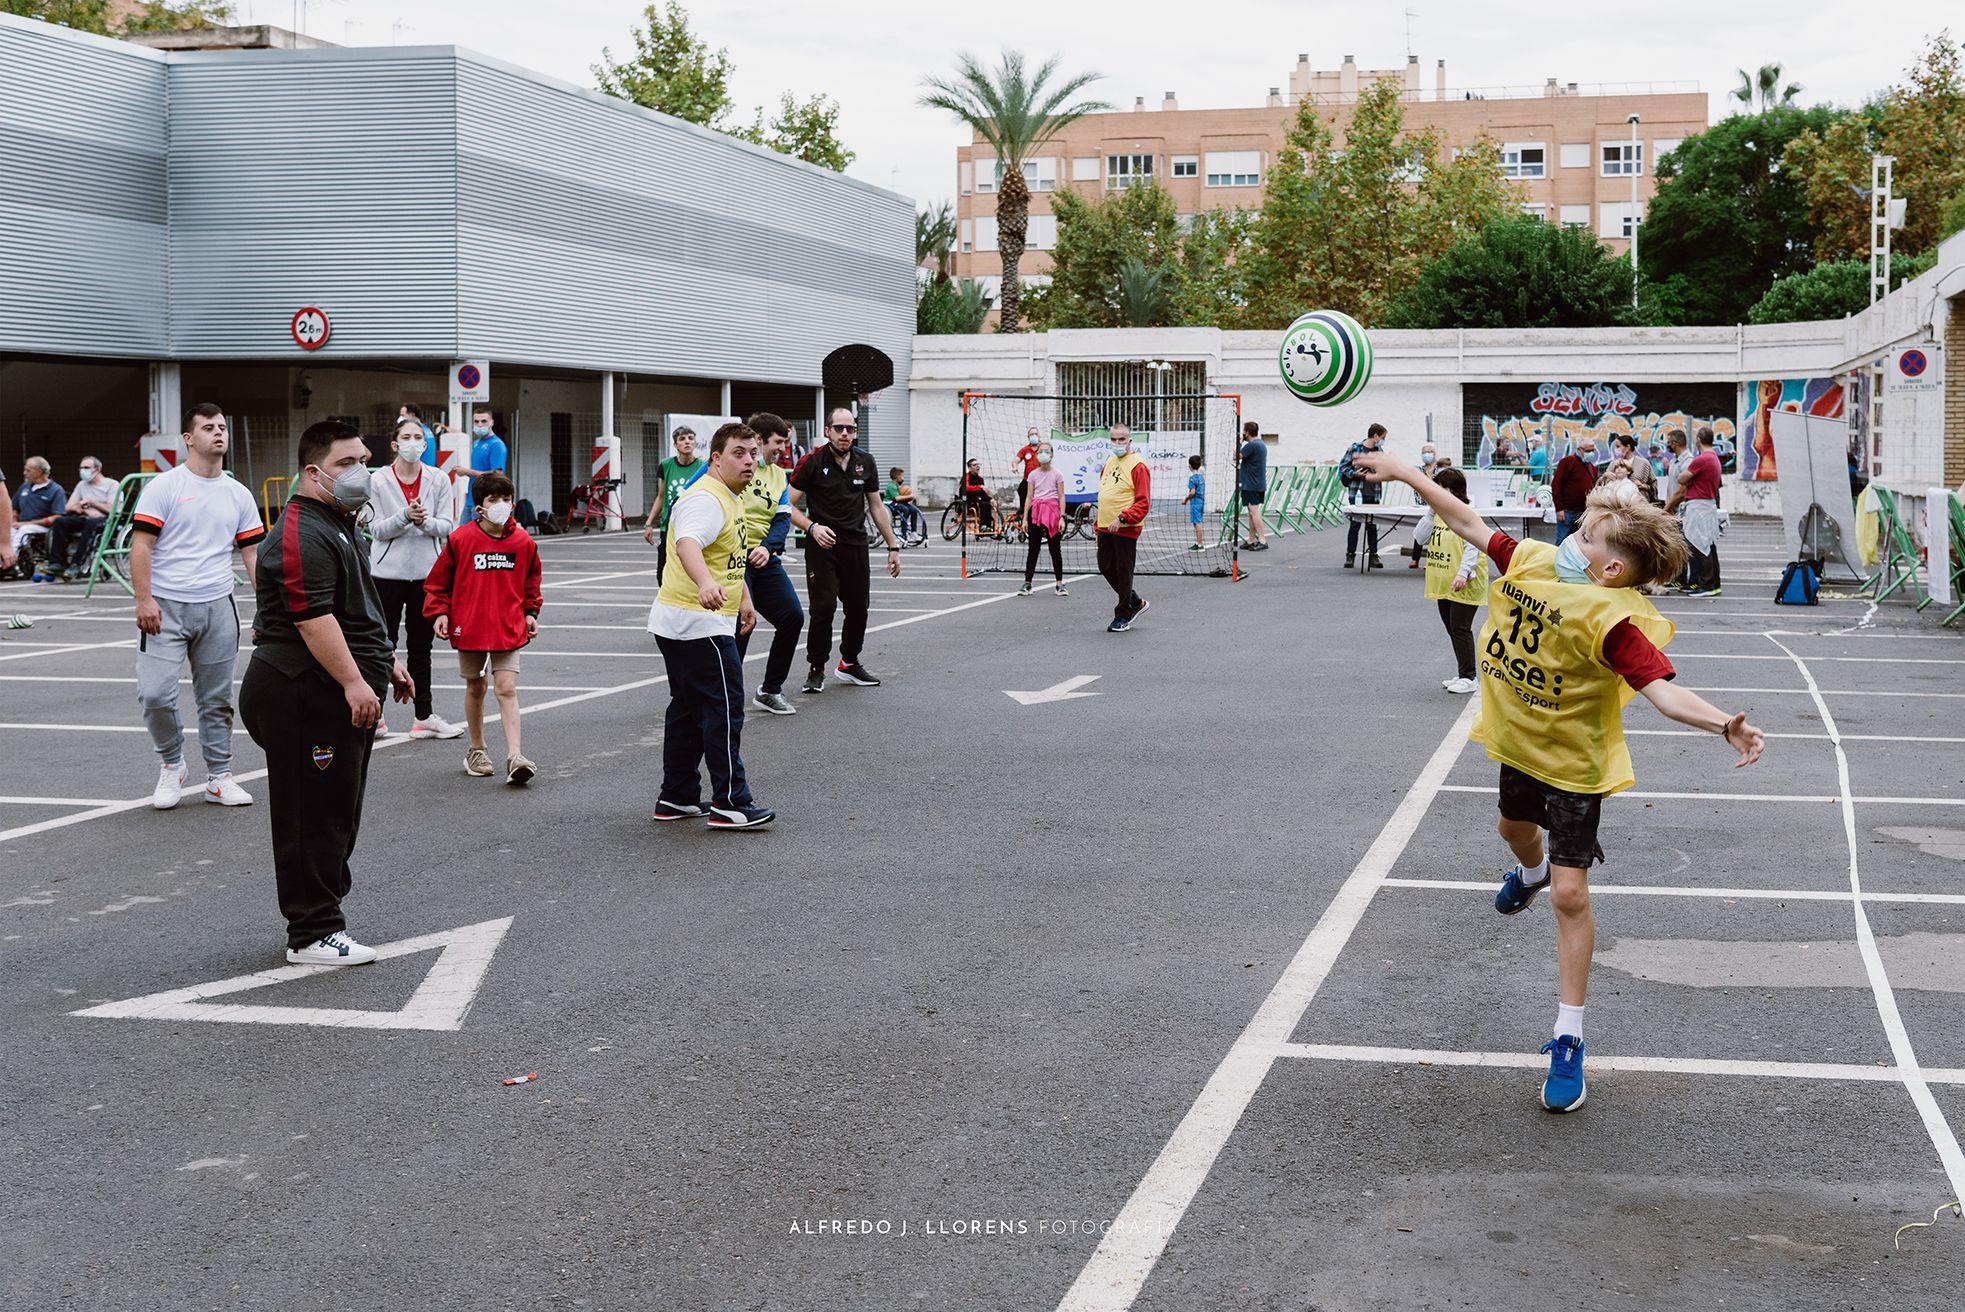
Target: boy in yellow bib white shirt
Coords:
[[699, 610], [1568, 641]]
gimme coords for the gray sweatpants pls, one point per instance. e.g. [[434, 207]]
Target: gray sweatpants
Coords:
[[208, 633]]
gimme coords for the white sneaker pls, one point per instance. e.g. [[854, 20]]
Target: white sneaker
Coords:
[[170, 787], [1447, 683], [383, 731], [435, 727], [337, 949], [220, 789], [1460, 686]]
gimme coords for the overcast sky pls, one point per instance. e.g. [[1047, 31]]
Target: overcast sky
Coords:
[[872, 54]]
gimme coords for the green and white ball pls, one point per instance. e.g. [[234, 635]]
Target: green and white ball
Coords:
[[1325, 358]]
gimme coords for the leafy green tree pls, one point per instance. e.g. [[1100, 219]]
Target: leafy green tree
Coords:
[[948, 307], [807, 130], [934, 239], [1729, 218], [1922, 124], [1952, 218], [1213, 286], [1831, 291], [1519, 272], [1095, 240], [96, 15], [1015, 109], [675, 71], [1763, 90], [1349, 230]]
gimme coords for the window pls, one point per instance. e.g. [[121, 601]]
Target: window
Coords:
[[1575, 216], [1524, 159], [968, 235], [1042, 234], [986, 173], [1623, 159], [1084, 169], [1185, 166], [986, 232], [1234, 168], [1041, 174], [1413, 167], [1576, 154], [1619, 218], [966, 173], [1536, 211], [1122, 171], [1665, 146]]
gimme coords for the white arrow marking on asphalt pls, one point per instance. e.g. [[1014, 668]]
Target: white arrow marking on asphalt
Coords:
[[1057, 692], [439, 1002]]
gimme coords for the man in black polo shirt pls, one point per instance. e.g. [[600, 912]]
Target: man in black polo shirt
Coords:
[[840, 488], [321, 662]]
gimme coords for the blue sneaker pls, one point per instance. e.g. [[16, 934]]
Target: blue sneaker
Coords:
[[1514, 895], [1564, 1089]]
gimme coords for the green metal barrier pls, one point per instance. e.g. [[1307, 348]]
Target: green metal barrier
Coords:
[[1955, 525], [1897, 566], [1329, 509], [113, 547]]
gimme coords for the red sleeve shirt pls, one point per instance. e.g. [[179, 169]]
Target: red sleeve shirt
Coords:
[[1704, 483], [1028, 454], [486, 586], [1632, 656]]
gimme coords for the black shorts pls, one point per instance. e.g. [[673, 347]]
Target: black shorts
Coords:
[[1250, 498], [1570, 818]]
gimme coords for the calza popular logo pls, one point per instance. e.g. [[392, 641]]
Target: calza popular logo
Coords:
[[323, 757]]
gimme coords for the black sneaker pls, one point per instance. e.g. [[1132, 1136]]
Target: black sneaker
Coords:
[[1118, 626], [1143, 604], [815, 679], [1255, 546], [857, 673], [741, 817], [1376, 563], [1350, 562], [667, 810]]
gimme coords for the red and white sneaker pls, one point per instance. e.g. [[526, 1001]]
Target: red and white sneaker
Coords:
[[221, 790]]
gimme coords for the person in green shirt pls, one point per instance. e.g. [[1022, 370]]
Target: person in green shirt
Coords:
[[900, 503], [677, 472]]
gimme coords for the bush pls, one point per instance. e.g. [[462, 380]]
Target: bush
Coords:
[[1831, 291]]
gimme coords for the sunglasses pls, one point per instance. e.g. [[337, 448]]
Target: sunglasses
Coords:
[[845, 428]]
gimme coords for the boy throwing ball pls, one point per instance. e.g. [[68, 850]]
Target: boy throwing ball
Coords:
[[1568, 641]]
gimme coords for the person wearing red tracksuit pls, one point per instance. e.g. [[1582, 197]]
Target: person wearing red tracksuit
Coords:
[[483, 593]]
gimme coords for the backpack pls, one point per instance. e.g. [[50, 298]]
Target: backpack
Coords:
[[1799, 586]]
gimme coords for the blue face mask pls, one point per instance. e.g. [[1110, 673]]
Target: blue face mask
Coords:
[[1572, 566]]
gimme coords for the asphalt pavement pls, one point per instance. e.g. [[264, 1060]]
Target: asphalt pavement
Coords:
[[1181, 992]]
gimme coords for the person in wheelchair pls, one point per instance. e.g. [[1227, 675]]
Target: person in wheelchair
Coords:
[[976, 493], [72, 539], [37, 506], [908, 520]]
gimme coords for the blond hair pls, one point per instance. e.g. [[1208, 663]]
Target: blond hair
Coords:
[[1642, 535]]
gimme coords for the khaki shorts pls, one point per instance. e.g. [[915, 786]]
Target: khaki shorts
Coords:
[[472, 663]]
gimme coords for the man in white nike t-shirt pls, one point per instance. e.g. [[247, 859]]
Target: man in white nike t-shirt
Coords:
[[187, 524]]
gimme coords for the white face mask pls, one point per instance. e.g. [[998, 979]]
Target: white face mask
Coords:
[[88, 475], [1043, 457], [410, 449], [498, 512], [481, 430]]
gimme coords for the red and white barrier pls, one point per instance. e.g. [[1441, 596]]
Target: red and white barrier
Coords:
[[453, 454], [607, 464], [158, 453]]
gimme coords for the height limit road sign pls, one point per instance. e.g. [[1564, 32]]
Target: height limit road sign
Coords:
[[470, 382]]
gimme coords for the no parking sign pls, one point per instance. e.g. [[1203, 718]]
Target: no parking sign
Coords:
[[470, 382], [1915, 369]]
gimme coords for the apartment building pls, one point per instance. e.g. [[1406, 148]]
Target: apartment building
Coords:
[[1573, 149]]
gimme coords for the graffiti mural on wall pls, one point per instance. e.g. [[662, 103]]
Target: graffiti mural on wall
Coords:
[[1502, 423], [1827, 397]]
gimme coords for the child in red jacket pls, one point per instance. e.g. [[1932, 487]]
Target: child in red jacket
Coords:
[[483, 593]]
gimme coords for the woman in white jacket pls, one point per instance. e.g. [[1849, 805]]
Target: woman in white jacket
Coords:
[[413, 514]]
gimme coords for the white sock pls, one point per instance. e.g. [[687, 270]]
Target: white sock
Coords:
[[1569, 1020], [1537, 873]]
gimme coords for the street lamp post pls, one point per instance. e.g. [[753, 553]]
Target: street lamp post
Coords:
[[1632, 164]]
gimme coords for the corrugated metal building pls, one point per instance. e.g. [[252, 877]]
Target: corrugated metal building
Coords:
[[164, 215]]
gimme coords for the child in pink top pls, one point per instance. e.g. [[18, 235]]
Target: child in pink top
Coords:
[[1045, 518]]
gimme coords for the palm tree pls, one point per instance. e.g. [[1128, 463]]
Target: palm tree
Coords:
[[1015, 110], [1765, 88], [1142, 298], [934, 237]]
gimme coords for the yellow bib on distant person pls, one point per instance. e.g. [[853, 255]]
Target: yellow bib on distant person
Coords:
[[724, 555], [761, 497], [1443, 552], [1550, 707], [1115, 488]]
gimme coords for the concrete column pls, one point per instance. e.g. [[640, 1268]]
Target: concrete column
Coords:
[[166, 398], [818, 416], [607, 404], [723, 397]]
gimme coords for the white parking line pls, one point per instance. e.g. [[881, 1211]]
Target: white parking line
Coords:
[[1837, 692], [1791, 1070], [1847, 737], [1118, 1269], [56, 801], [1846, 660], [1915, 1083], [62, 651], [1634, 795], [1725, 894]]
